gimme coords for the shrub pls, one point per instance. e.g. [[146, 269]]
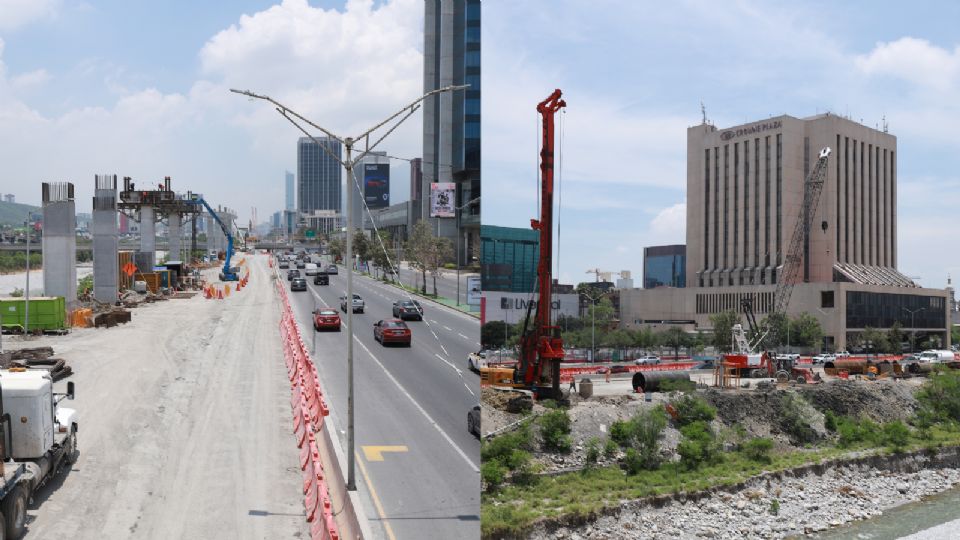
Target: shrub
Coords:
[[17, 293], [555, 430], [622, 433], [648, 428], [493, 473], [940, 398], [593, 450], [830, 421], [692, 409], [758, 449], [510, 448], [633, 462], [851, 432], [775, 507], [793, 419], [610, 449], [698, 446], [85, 285], [896, 435]]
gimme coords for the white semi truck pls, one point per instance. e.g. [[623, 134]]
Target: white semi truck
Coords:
[[37, 437]]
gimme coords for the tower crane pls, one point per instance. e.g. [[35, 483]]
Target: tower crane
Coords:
[[751, 358]]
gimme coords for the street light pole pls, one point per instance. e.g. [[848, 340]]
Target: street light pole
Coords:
[[913, 328], [349, 163], [26, 292]]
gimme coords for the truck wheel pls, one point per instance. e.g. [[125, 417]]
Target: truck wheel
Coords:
[[15, 510], [71, 453], [801, 379], [782, 376]]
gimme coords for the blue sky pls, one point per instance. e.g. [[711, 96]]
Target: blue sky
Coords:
[[634, 74], [141, 89]]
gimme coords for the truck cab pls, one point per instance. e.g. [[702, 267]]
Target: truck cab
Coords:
[[39, 437]]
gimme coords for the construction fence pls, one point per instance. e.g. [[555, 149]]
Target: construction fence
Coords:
[[309, 407]]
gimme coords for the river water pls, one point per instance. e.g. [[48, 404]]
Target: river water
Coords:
[[936, 518]]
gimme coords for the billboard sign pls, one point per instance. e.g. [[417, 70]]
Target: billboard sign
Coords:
[[473, 290], [443, 196], [376, 185]]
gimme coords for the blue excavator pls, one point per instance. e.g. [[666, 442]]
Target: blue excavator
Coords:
[[228, 273]]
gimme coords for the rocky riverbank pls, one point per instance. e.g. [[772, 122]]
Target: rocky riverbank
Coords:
[[803, 501]]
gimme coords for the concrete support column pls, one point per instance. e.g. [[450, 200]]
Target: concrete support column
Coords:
[[148, 238], [173, 244], [59, 241], [105, 239]]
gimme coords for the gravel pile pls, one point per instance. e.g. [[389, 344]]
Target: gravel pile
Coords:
[[806, 505]]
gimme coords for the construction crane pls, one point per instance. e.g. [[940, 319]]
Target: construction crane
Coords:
[[228, 273], [541, 347], [751, 358]]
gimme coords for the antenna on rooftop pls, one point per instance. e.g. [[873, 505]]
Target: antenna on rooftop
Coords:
[[703, 111], [886, 125]]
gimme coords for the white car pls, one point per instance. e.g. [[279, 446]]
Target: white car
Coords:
[[647, 360], [824, 358], [477, 360]]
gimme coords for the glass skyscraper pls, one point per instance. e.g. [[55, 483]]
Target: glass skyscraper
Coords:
[[319, 179], [665, 266]]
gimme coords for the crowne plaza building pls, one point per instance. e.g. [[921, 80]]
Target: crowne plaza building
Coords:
[[745, 189]]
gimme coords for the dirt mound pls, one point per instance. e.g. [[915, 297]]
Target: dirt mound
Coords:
[[881, 401]]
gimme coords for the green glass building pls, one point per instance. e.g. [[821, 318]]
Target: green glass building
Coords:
[[508, 258]]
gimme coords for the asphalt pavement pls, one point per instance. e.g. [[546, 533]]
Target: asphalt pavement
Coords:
[[418, 463], [446, 282]]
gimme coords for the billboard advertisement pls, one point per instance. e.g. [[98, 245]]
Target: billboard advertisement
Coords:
[[473, 290], [443, 197], [376, 185]]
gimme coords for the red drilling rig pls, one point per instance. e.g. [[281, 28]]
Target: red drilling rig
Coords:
[[541, 347]]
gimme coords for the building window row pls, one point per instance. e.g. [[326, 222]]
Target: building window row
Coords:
[[865, 203], [710, 303]]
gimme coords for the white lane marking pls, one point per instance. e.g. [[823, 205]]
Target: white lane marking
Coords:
[[463, 336], [436, 426], [434, 321], [448, 329]]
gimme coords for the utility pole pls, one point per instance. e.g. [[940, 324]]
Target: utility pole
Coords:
[[913, 328], [26, 292], [348, 164]]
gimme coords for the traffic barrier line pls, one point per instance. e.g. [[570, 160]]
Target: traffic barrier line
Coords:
[[308, 407]]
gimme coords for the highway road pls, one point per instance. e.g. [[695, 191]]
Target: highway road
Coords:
[[416, 463], [446, 282]]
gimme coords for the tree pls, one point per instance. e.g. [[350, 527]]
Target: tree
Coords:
[[361, 246], [619, 338], [337, 248], [723, 329], [895, 338], [775, 325], [645, 338], [875, 340], [379, 255], [440, 251], [806, 331], [418, 249], [675, 338], [493, 335]]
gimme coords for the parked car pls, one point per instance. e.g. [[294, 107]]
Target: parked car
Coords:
[[326, 319], [292, 274], [332, 269], [646, 360], [298, 284], [823, 358], [321, 279], [357, 306], [842, 354], [477, 360], [392, 331], [408, 309], [473, 420], [619, 369]]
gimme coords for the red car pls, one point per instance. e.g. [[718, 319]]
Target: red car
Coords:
[[326, 319], [392, 331]]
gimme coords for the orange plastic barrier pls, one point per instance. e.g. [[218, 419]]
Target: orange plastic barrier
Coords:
[[309, 409]]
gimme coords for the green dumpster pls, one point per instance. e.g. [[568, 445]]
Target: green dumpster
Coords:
[[47, 314]]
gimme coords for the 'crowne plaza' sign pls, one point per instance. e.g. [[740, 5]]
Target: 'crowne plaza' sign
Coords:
[[750, 130]]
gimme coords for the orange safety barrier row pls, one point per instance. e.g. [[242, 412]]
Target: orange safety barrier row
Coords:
[[567, 373], [309, 409]]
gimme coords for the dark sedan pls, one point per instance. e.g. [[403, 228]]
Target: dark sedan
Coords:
[[292, 274], [298, 284], [408, 309]]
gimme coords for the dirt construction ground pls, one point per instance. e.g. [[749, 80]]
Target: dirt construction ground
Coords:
[[185, 425]]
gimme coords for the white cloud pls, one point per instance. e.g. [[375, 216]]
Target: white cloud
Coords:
[[344, 69], [17, 13], [670, 224], [914, 60], [30, 80]]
